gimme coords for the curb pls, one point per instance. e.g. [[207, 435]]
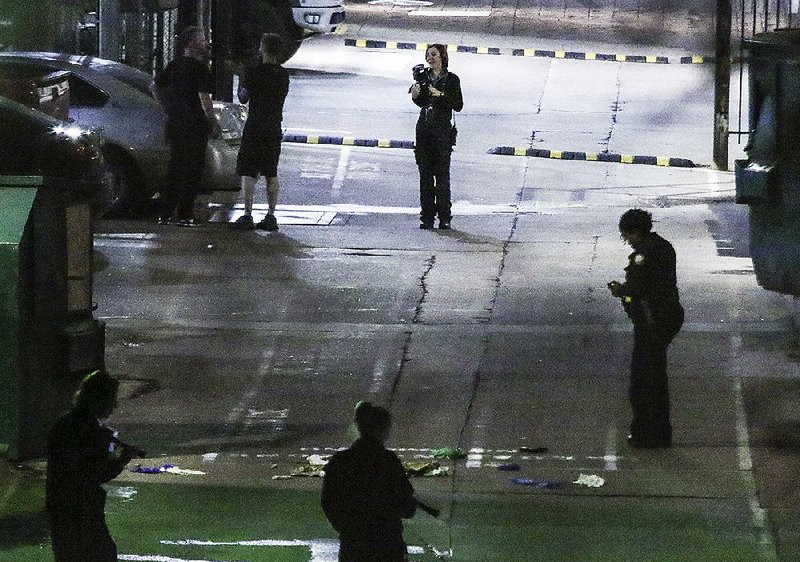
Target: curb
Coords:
[[503, 151], [348, 141], [592, 156], [544, 53]]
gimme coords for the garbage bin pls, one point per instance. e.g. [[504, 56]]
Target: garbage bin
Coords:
[[769, 180], [50, 338]]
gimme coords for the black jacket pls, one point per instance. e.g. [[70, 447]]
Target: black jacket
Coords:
[[366, 494], [78, 462], [436, 112], [650, 291]]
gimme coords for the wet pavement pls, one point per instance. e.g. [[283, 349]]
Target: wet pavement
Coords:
[[242, 354]]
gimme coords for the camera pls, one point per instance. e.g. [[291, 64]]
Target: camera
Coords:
[[420, 75]]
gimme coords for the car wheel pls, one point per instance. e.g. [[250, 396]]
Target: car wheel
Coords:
[[123, 198]]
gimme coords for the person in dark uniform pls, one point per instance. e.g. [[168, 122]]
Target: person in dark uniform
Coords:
[[366, 493], [184, 88], [438, 93], [650, 298], [79, 460], [264, 86]]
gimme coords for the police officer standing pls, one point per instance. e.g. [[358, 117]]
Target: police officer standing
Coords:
[[79, 461], [650, 298], [366, 493], [437, 91]]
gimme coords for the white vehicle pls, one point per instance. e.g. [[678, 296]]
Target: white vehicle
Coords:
[[291, 19], [318, 16]]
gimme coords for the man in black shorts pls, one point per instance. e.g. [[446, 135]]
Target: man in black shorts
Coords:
[[184, 89], [264, 86]]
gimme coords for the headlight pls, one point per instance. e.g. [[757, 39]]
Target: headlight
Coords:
[[312, 19], [70, 131]]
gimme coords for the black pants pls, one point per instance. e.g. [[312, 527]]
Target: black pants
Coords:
[[81, 536], [649, 388], [187, 158], [433, 160]]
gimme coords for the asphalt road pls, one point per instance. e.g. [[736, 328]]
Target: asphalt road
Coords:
[[244, 353]]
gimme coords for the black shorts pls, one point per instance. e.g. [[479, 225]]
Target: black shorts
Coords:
[[259, 157]]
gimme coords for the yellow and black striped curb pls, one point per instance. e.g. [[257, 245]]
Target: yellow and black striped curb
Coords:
[[502, 151], [348, 141], [545, 53], [592, 156]]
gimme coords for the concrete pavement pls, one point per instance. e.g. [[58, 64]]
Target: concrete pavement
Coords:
[[243, 353]]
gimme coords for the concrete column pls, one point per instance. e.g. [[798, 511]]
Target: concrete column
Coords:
[[110, 29]]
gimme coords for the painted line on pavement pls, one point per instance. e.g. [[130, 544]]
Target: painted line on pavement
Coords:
[[745, 459], [158, 558], [611, 457], [322, 550], [475, 457], [614, 157], [530, 52], [341, 171]]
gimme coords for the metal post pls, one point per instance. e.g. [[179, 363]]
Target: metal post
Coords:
[[722, 84], [222, 11]]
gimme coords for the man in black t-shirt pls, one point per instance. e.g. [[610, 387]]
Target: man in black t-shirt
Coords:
[[264, 86], [184, 89]]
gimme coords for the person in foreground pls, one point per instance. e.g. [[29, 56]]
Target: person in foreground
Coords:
[[79, 460], [366, 493], [650, 298]]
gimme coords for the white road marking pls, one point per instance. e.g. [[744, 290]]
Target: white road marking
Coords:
[[378, 381], [157, 558], [758, 514], [322, 550], [475, 457], [611, 448], [237, 413], [341, 170]]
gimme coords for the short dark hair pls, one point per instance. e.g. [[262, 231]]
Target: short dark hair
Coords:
[[442, 53], [272, 45], [372, 420], [636, 220], [185, 37]]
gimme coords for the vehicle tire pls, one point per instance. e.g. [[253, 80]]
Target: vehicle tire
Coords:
[[123, 198]]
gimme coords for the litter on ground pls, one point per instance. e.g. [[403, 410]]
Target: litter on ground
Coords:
[[537, 482], [449, 453], [164, 468], [422, 468], [590, 480]]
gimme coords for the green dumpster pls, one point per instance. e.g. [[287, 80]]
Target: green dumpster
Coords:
[[769, 180], [50, 338]]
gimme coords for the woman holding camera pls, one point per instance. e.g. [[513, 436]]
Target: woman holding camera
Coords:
[[438, 93]]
